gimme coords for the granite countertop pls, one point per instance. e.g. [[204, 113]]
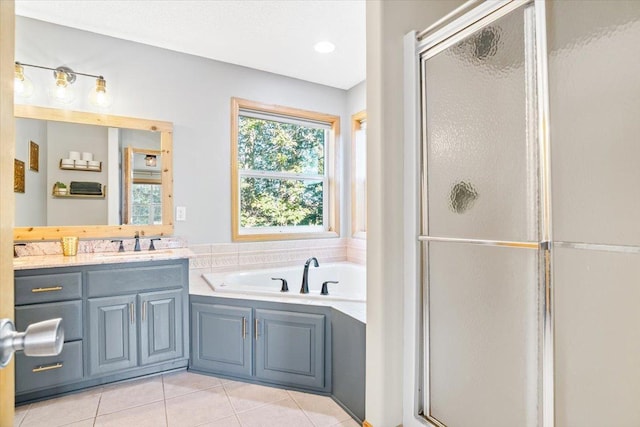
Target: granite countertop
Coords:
[[199, 286], [50, 261]]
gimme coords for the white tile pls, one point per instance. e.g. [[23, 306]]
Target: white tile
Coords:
[[224, 259], [231, 421], [179, 383], [200, 249], [200, 261], [321, 410], [19, 414], [130, 394], [283, 413], [151, 415], [198, 408], [84, 423], [348, 423], [62, 410], [245, 396]]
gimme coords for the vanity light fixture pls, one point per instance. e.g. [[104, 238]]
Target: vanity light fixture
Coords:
[[150, 160], [62, 90], [22, 85]]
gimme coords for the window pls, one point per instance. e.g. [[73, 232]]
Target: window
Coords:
[[283, 172], [359, 175], [146, 206]]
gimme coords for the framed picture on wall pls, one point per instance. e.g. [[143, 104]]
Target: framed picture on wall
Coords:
[[18, 176], [34, 156]]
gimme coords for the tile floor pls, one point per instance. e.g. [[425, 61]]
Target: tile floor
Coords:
[[185, 399]]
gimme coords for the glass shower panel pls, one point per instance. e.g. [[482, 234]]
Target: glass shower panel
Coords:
[[597, 342], [594, 90], [484, 327], [480, 131]]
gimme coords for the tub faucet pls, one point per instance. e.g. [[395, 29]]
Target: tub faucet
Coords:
[[305, 274], [137, 245]]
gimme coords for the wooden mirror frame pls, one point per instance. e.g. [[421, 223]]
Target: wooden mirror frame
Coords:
[[106, 231]]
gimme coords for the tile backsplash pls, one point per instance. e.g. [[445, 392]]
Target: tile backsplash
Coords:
[[220, 257]]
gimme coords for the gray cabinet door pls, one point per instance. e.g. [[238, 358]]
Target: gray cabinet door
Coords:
[[160, 326], [221, 338], [112, 334], [290, 348]]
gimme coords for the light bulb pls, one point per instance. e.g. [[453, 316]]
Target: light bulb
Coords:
[[99, 96], [62, 92], [324, 47], [22, 85]]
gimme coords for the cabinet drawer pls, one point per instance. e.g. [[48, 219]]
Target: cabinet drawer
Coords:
[[135, 279], [34, 373], [69, 311], [48, 287]]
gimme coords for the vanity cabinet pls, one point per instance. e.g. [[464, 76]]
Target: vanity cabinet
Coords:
[[112, 334], [40, 297], [283, 344], [221, 338], [121, 327], [121, 320], [289, 347]]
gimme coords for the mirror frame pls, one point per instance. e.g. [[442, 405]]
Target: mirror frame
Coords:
[[106, 231]]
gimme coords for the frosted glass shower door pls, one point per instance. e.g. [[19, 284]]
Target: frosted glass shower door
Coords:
[[480, 226], [594, 93]]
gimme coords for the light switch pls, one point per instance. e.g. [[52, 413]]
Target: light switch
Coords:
[[181, 213]]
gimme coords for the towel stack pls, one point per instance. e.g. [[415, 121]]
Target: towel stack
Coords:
[[85, 188]]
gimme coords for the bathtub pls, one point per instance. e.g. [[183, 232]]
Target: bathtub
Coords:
[[351, 278]]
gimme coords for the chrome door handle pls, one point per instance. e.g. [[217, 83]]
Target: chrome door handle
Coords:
[[40, 339], [244, 327]]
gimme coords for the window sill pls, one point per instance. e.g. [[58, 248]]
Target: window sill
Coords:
[[284, 236]]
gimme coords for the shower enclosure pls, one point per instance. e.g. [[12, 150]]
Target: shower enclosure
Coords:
[[528, 220]]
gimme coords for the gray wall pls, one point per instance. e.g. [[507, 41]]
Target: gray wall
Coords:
[[31, 206], [387, 23], [65, 137], [192, 92]]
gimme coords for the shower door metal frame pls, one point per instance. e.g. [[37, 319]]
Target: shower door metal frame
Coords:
[[427, 44]]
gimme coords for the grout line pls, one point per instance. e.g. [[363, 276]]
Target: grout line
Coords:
[[301, 408], [164, 403], [95, 417]]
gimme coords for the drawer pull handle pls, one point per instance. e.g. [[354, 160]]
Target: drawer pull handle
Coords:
[[244, 327], [144, 310], [51, 289], [45, 368], [255, 328], [131, 313]]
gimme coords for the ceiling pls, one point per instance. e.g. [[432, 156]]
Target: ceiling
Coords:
[[270, 35]]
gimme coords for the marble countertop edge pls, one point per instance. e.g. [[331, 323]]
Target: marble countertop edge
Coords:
[[51, 261]]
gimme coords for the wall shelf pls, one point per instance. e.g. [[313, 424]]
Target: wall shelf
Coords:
[[81, 196], [80, 167]]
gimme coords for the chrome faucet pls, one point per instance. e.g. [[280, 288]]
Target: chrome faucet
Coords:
[[305, 274]]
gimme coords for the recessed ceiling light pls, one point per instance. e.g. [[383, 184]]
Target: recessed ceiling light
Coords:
[[324, 47]]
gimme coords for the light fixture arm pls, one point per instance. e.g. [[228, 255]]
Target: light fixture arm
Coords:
[[71, 75]]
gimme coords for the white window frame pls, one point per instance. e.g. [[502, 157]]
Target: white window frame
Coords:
[[331, 124]]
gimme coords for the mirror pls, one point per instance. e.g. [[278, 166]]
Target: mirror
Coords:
[[92, 175], [143, 186]]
